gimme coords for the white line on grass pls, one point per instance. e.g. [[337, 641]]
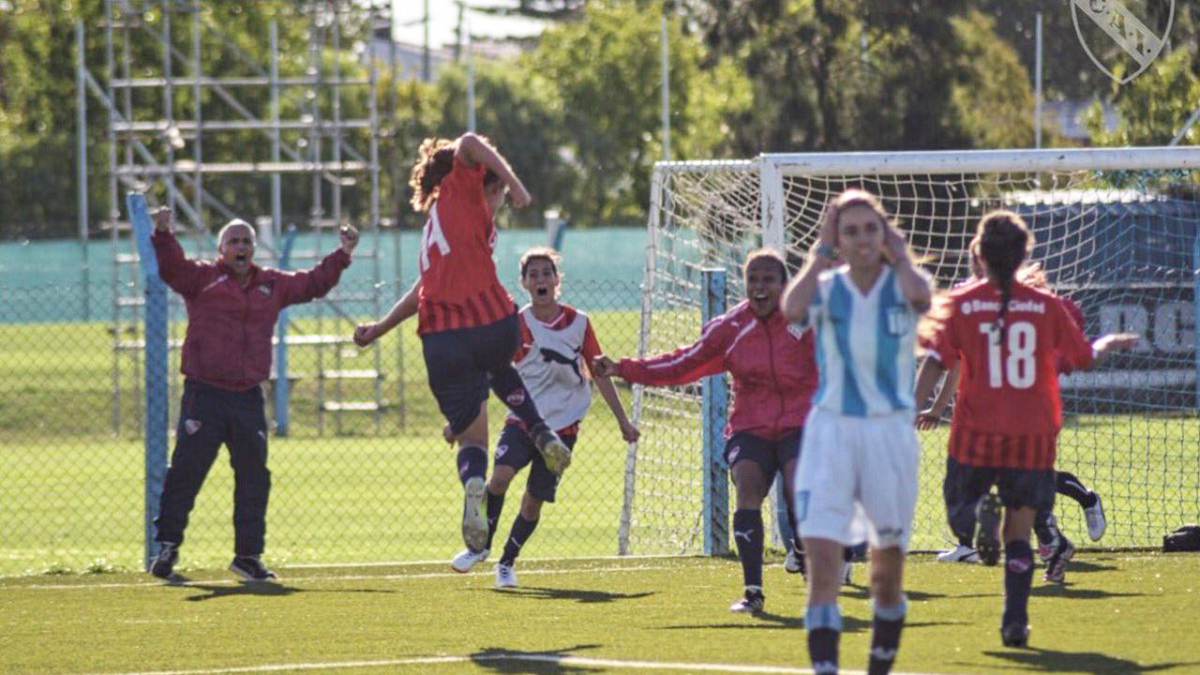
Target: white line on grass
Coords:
[[349, 577], [558, 659]]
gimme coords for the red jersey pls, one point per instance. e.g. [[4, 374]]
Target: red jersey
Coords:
[[228, 342], [459, 287], [1009, 386], [773, 365]]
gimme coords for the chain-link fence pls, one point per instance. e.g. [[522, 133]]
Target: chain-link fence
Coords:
[[362, 474]]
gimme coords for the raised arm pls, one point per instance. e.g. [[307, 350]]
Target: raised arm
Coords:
[[686, 364], [798, 296], [474, 150], [179, 272], [406, 306]]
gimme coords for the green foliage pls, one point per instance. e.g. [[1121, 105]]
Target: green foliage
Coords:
[[842, 76], [601, 76]]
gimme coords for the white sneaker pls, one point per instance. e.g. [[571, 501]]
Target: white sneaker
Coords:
[[959, 553], [847, 569], [474, 523], [506, 576], [1096, 522], [466, 559]]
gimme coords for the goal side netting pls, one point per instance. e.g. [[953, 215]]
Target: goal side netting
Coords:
[[1116, 231]]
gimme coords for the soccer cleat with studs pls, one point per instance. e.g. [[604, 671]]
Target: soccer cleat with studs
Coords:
[[1056, 565], [752, 602], [1096, 522], [987, 529], [793, 562], [960, 553], [474, 520], [554, 451], [163, 565], [251, 568], [506, 576], [466, 559]]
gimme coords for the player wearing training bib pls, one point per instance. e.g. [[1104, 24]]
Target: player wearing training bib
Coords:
[[858, 462], [1011, 341], [557, 348], [466, 320]]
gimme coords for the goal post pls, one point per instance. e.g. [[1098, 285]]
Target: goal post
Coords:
[[1115, 229]]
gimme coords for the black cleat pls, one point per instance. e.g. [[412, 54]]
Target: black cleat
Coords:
[[251, 568], [1015, 635], [987, 530], [163, 565]]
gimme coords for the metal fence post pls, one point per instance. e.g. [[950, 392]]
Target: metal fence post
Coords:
[[283, 390], [155, 366], [714, 410]]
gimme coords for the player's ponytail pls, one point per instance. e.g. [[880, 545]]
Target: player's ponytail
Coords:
[[1002, 241], [435, 159]]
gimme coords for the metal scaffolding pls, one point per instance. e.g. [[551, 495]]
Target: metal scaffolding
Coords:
[[167, 130]]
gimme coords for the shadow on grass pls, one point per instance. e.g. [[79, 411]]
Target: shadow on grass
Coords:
[[767, 620], [266, 589], [1069, 590], [586, 597], [501, 660], [1052, 661], [864, 593]]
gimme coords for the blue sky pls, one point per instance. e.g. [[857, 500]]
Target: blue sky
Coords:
[[407, 15]]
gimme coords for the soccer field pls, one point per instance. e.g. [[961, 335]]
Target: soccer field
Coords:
[[73, 491], [1117, 613]]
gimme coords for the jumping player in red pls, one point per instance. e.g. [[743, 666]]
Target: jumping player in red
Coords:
[[1011, 340], [466, 319], [557, 346], [774, 376]]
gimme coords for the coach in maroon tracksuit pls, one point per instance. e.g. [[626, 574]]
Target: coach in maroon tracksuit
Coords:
[[232, 307]]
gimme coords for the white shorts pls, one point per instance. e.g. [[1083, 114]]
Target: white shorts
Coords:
[[857, 478]]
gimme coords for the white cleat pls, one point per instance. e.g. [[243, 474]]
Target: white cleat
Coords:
[[554, 451], [466, 559], [1096, 522], [506, 576], [959, 553], [474, 522]]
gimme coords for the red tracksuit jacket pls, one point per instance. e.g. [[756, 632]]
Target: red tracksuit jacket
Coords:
[[772, 363], [228, 342]]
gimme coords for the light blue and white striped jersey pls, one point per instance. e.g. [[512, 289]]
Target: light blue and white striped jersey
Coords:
[[865, 345]]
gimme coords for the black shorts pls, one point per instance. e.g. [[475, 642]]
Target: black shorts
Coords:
[[515, 449], [770, 456], [965, 484], [458, 362]]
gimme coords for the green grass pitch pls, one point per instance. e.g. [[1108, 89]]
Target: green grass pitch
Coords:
[[1118, 613]]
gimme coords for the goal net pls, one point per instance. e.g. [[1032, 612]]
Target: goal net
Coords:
[[1116, 231]]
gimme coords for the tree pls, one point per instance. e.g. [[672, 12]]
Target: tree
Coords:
[[601, 75], [842, 75]]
